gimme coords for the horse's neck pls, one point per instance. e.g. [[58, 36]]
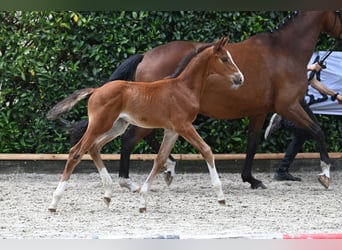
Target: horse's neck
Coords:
[[196, 72], [300, 35]]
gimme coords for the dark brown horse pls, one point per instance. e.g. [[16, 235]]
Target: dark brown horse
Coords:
[[171, 103], [274, 65]]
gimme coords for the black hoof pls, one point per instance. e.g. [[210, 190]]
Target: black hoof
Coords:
[[285, 176], [258, 185]]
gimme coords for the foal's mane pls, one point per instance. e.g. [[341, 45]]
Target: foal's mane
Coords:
[[186, 60]]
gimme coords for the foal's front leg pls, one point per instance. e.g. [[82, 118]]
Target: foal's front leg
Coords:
[[169, 140], [190, 134]]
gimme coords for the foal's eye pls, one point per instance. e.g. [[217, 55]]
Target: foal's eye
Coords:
[[224, 59]]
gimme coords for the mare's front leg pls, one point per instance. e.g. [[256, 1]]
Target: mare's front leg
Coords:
[[254, 133], [189, 133], [128, 142], [169, 140]]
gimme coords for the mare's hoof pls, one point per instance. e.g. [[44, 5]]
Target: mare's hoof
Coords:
[[130, 185], [142, 210], [325, 181], [222, 202], [258, 185], [168, 178], [52, 210], [285, 176], [107, 201]]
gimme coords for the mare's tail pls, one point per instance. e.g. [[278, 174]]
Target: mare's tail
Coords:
[[125, 71], [68, 103]]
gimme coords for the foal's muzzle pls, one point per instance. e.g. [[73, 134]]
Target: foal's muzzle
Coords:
[[237, 79]]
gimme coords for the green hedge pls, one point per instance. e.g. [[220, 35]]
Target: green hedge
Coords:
[[45, 56]]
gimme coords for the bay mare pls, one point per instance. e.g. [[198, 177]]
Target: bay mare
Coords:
[[171, 103], [274, 65]]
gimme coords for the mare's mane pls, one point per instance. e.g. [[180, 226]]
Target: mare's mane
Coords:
[[186, 60], [285, 21]]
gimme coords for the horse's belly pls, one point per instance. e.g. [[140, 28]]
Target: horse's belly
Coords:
[[143, 121], [220, 101]]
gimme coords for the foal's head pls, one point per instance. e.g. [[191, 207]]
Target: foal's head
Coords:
[[223, 64]]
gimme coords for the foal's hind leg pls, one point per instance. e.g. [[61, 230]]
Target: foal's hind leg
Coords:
[[75, 156], [190, 134], [118, 128]]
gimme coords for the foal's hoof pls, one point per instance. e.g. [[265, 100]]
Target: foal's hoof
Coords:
[[168, 178], [52, 210], [142, 210], [222, 202], [107, 201], [325, 181]]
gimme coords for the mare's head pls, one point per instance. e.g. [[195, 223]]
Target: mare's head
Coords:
[[332, 24], [223, 64]]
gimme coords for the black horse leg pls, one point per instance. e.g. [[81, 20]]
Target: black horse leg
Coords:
[[254, 133], [324, 177], [154, 144], [170, 163], [128, 141], [302, 116]]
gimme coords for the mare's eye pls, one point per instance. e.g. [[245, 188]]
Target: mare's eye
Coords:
[[224, 59]]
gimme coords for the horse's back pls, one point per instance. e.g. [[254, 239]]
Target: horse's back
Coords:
[[162, 60]]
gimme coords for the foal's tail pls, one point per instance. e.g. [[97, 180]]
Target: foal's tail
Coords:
[[125, 71], [68, 103]]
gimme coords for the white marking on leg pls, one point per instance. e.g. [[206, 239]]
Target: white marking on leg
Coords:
[[128, 183], [107, 182], [170, 166], [57, 195], [143, 195], [325, 169], [215, 181]]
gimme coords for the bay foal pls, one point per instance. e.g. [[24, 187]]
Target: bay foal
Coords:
[[172, 104]]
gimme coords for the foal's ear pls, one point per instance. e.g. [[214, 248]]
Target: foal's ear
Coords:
[[221, 43]]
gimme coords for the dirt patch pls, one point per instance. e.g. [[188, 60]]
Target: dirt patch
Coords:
[[188, 208]]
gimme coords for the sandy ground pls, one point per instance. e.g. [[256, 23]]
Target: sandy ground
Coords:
[[186, 209]]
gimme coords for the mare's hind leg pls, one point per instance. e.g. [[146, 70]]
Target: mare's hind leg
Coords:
[[190, 134], [297, 114], [118, 128], [169, 140]]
